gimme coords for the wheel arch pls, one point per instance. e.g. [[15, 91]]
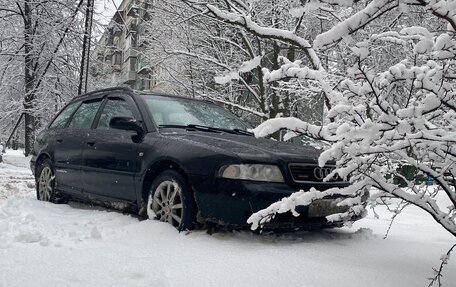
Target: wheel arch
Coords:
[[42, 157], [155, 169]]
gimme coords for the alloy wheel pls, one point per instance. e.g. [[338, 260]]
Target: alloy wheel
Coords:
[[167, 203], [45, 184]]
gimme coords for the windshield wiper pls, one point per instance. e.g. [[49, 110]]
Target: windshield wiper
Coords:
[[243, 132], [213, 129], [173, 126], [207, 129], [192, 127]]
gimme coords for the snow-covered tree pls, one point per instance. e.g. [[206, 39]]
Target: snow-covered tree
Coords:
[[387, 111], [39, 57], [197, 54]]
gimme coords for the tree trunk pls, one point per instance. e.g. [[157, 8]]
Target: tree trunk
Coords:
[[86, 48], [29, 98]]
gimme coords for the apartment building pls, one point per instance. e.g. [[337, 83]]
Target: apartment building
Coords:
[[119, 51]]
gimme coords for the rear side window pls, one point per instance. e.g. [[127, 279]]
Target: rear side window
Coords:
[[63, 117], [114, 108], [84, 116]]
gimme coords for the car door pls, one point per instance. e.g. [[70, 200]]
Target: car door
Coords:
[[63, 163], [111, 157], [69, 146]]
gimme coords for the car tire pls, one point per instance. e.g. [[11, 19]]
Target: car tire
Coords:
[[170, 200], [45, 184]]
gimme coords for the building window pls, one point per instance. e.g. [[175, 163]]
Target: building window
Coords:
[[132, 64], [133, 39], [130, 41], [108, 59], [117, 58], [148, 82]]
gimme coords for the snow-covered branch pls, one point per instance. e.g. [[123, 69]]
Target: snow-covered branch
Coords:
[[267, 32], [388, 114]]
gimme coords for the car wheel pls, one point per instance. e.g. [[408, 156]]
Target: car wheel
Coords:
[[45, 182], [170, 200]]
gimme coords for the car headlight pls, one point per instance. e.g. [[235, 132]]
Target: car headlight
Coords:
[[257, 172]]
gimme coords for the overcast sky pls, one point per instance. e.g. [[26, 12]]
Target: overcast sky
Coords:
[[105, 9]]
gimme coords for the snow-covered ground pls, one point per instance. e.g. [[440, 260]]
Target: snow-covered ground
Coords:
[[43, 244]]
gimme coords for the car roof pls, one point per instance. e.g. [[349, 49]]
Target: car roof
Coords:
[[171, 96], [103, 91], [131, 91]]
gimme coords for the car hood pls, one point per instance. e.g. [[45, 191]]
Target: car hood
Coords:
[[248, 148]]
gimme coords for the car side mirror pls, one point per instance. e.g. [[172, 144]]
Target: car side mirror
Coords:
[[127, 124]]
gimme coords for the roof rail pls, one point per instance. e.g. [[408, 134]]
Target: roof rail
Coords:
[[127, 89]]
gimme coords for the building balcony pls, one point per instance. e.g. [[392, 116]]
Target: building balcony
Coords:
[[128, 77], [109, 38], [130, 53], [132, 28], [133, 9], [143, 68]]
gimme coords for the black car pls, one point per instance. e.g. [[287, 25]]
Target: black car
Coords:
[[176, 159]]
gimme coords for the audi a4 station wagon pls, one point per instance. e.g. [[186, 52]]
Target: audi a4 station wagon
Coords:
[[183, 161]]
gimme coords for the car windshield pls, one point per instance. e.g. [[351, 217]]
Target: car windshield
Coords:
[[175, 112]]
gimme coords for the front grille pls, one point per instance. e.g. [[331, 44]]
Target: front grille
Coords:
[[288, 222], [301, 172]]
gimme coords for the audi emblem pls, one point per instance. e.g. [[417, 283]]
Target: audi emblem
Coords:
[[321, 172]]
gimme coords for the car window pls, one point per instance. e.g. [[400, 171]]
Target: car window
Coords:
[[84, 116], [178, 111], [114, 108], [63, 117]]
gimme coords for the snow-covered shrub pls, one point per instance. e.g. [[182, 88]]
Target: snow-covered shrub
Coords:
[[393, 104]]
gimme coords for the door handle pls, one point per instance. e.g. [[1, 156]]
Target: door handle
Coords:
[[59, 140], [90, 143]]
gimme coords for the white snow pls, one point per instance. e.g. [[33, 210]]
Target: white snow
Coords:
[[299, 11], [350, 24], [246, 21], [43, 244], [245, 67], [250, 65], [221, 80]]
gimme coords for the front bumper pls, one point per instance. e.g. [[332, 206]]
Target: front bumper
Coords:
[[231, 202]]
